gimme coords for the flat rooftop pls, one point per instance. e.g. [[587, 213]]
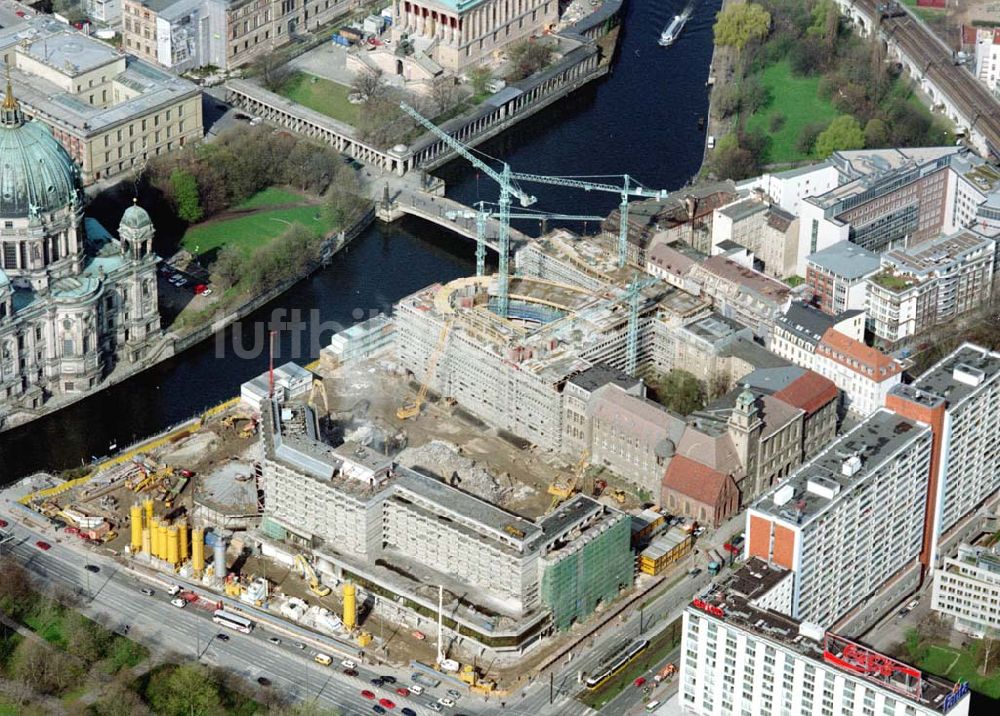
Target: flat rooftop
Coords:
[[938, 254], [846, 260], [958, 375], [825, 479], [731, 600], [666, 542], [72, 53]]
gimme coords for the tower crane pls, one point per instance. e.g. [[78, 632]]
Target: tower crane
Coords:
[[632, 293], [505, 180], [626, 190], [481, 215]]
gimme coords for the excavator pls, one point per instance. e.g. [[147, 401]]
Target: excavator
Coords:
[[315, 586], [318, 386], [562, 492], [412, 410]]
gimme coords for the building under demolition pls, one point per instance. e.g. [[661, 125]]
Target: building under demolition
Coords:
[[401, 534]]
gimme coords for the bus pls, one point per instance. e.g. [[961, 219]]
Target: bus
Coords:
[[623, 660], [232, 621]]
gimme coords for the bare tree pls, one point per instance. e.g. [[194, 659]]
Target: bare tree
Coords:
[[15, 587], [272, 70], [370, 84], [443, 94]]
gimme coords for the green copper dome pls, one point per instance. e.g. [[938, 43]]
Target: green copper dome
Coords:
[[136, 217], [36, 173]]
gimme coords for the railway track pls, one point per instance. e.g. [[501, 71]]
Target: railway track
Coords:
[[930, 53]]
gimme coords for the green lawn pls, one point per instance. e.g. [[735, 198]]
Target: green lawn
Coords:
[[272, 196], [48, 626], [253, 230], [939, 659], [321, 95], [9, 709], [797, 98]]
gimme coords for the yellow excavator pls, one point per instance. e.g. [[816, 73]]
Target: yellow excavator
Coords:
[[412, 410], [562, 492], [318, 386], [315, 586]]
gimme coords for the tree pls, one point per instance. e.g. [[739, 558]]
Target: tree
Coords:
[[876, 133], [916, 648], [738, 25], [730, 160], [15, 587], [480, 77], [273, 71], [370, 84], [527, 58], [44, 669], [844, 132], [678, 391], [806, 141], [826, 22], [443, 93], [120, 700], [988, 654], [185, 190], [228, 267], [85, 639], [187, 690]]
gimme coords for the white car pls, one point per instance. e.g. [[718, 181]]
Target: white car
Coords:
[[178, 602], [348, 664], [416, 689], [174, 590], [434, 706], [445, 701]]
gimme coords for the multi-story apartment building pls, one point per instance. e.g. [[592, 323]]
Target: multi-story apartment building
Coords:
[[985, 43], [798, 331], [929, 284], [106, 12], [864, 374], [958, 398], [110, 111], [787, 189], [741, 655], [837, 276], [182, 34], [967, 589], [406, 532], [764, 229], [737, 292], [850, 519]]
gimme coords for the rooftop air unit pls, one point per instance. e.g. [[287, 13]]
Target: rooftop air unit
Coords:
[[851, 466], [965, 373], [812, 631], [823, 487], [783, 494]]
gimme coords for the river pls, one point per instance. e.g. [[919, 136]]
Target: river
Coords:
[[641, 119]]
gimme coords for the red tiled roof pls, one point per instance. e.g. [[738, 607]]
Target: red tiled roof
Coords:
[[857, 356], [968, 35], [810, 392], [697, 481]]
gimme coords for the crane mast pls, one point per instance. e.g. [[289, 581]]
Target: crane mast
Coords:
[[507, 188]]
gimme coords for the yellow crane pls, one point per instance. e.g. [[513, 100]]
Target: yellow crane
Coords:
[[561, 492], [411, 410], [315, 586]]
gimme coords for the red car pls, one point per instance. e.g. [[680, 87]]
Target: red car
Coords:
[[368, 694], [640, 681], [44, 546], [3, 523], [386, 704], [403, 691], [350, 672]]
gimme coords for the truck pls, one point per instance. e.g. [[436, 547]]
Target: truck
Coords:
[[666, 672], [714, 568], [341, 40], [424, 680]]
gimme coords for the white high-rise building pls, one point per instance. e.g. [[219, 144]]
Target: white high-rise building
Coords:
[[739, 656]]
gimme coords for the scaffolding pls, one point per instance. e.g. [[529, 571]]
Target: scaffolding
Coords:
[[576, 582]]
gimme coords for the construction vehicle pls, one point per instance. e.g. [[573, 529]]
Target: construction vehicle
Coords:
[[411, 410], [175, 491], [665, 673], [562, 492], [619, 496], [467, 674], [318, 386], [513, 531], [599, 487], [249, 429], [315, 586]]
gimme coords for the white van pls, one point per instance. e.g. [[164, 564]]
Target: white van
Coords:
[[652, 705], [322, 659]]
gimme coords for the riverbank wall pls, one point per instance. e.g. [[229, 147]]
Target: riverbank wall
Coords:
[[172, 344]]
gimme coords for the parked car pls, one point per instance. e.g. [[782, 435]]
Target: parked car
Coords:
[[388, 679], [434, 706], [299, 645], [348, 664], [92, 568], [3, 523], [350, 672], [694, 572], [274, 640], [445, 701], [407, 711], [178, 602], [44, 546], [378, 709], [639, 682], [263, 681], [147, 591], [222, 637], [403, 691], [387, 703], [416, 689], [368, 694], [454, 694]]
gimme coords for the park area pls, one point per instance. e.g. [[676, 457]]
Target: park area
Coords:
[[795, 102], [321, 95], [963, 665], [257, 221]]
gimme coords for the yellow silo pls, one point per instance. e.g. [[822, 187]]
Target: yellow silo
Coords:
[[135, 517], [198, 551], [147, 541], [184, 541], [350, 606], [163, 540], [154, 538], [148, 504], [173, 546]]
